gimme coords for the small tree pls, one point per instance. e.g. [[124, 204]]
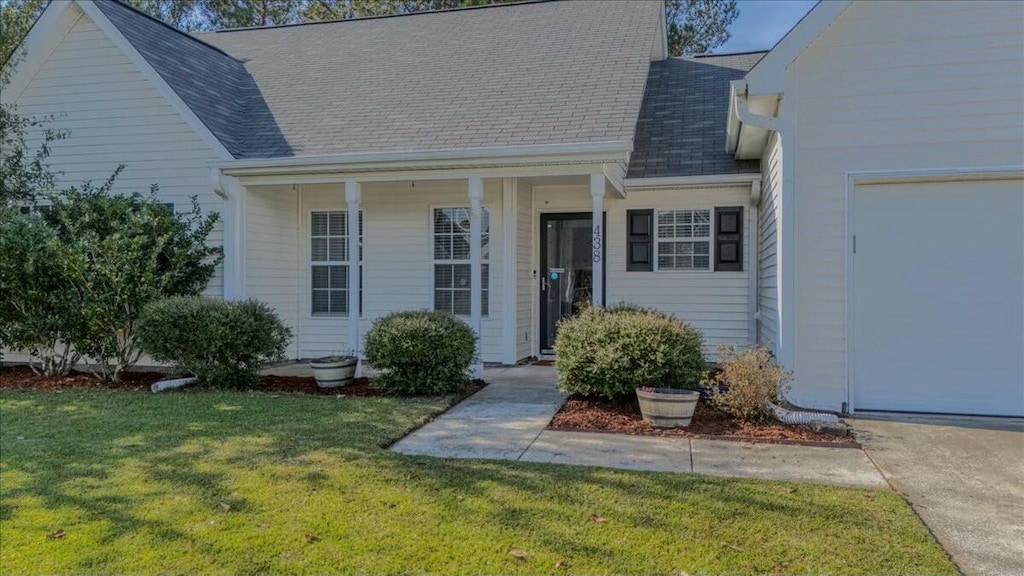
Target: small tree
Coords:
[[131, 251], [38, 311]]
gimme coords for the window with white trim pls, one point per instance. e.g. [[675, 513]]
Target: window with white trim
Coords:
[[329, 262], [683, 239], [452, 281]]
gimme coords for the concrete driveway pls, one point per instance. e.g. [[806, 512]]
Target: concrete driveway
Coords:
[[963, 475]]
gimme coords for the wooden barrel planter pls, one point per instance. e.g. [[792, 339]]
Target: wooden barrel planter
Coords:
[[667, 407], [334, 371]]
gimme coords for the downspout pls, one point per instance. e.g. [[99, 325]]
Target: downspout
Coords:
[[784, 126]]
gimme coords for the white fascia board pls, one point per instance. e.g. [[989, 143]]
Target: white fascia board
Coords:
[[153, 76], [768, 75], [47, 32], [589, 152], [670, 182]]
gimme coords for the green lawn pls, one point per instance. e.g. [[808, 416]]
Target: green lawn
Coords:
[[222, 482]]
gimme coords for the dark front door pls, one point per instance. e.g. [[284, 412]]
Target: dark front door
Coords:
[[566, 269]]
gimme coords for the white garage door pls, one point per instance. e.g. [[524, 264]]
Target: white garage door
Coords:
[[938, 297]]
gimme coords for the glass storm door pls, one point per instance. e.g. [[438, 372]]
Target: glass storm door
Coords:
[[566, 270]]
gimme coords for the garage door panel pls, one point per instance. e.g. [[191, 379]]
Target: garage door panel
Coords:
[[938, 297]]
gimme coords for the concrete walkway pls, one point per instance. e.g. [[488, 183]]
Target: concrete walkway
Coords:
[[507, 420]]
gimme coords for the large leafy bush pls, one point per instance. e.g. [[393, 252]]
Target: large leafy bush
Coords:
[[222, 343], [39, 310], [422, 352], [748, 381], [135, 251], [611, 351]]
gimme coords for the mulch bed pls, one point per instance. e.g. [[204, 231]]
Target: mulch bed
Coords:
[[623, 416], [22, 378]]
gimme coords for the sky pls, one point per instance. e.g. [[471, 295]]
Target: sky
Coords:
[[762, 23]]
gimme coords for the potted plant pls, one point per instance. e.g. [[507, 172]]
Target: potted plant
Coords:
[[667, 407], [334, 371]]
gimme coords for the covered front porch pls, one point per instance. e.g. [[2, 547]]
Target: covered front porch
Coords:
[[464, 240]]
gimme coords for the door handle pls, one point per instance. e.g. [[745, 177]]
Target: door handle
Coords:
[[544, 284]]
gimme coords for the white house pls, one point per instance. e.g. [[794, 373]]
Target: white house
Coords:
[[853, 198]]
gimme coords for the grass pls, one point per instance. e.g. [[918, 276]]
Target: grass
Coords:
[[233, 482]]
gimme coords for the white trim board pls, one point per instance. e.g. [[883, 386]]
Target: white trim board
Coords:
[[894, 177]]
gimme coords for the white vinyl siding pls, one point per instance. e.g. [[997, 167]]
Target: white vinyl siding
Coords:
[[683, 239], [888, 86], [330, 258], [717, 303], [115, 116], [272, 252], [767, 259], [452, 268]]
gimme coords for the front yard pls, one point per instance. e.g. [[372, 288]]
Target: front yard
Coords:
[[101, 481]]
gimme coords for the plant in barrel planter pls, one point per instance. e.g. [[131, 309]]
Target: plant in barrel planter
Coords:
[[624, 350], [334, 371]]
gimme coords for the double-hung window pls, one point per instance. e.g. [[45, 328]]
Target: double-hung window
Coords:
[[330, 257], [683, 239], [452, 285]]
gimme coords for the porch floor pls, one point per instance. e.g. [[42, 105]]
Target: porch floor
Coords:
[[507, 420]]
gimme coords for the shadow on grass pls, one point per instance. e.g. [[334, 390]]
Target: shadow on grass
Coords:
[[172, 466]]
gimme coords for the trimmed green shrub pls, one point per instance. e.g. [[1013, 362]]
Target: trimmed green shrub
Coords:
[[222, 343], [611, 351], [751, 379], [420, 353]]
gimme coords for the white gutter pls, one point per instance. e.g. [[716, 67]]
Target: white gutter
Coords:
[[587, 152], [782, 124], [683, 181]]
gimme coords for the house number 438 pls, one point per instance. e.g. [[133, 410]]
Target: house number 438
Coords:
[[597, 243]]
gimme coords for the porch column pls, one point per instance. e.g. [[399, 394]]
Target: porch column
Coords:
[[353, 194], [597, 237], [476, 197]]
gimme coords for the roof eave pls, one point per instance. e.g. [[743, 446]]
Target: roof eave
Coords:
[[495, 156]]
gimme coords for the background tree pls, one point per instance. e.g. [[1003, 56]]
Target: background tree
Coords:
[[694, 26], [698, 26]]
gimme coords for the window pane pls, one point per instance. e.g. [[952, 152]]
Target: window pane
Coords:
[[443, 300], [339, 301], [318, 249], [462, 303], [442, 221], [321, 302], [442, 247], [320, 277], [337, 252], [462, 275], [338, 224], [701, 262], [339, 277], [443, 276], [701, 248], [485, 296], [460, 247], [319, 227], [485, 272]]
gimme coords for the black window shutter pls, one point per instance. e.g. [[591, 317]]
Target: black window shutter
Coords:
[[729, 239], [639, 240]]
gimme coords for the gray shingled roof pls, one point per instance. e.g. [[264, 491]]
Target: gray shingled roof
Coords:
[[681, 128], [522, 74]]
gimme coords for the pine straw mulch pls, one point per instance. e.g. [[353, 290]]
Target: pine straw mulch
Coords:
[[623, 417], [22, 378]]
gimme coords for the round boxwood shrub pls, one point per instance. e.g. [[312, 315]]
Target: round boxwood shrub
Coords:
[[611, 351], [420, 353], [222, 343]]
